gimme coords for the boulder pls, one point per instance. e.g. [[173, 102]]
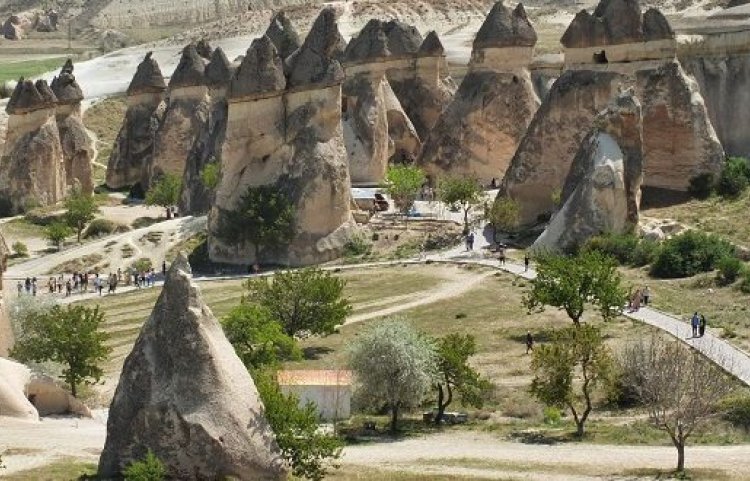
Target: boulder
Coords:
[[283, 35], [134, 146], [31, 170], [77, 146], [602, 189], [480, 129], [185, 395], [544, 155]]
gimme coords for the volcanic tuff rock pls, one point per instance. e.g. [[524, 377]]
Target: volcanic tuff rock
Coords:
[[203, 48], [679, 141], [283, 35], [544, 156], [185, 395], [31, 166], [77, 146], [602, 190], [134, 145], [184, 118], [290, 139], [219, 71], [479, 131]]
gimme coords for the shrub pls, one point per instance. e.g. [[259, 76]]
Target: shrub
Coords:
[[102, 227], [552, 415], [734, 178], [701, 186], [20, 249], [644, 253], [689, 253], [737, 411], [619, 246], [148, 469], [357, 245], [729, 269], [143, 264], [745, 284]]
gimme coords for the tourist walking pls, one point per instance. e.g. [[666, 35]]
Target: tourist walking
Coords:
[[27, 285], [526, 262], [529, 342], [646, 295], [164, 268], [470, 241], [68, 288], [695, 323], [702, 326], [501, 255], [635, 301]]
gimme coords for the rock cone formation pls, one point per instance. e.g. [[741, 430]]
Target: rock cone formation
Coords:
[[283, 35], [545, 154], [134, 146], [77, 146], [287, 135], [602, 191], [31, 167], [185, 395], [479, 131], [184, 118]]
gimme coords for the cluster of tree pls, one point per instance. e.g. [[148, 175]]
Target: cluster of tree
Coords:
[[398, 367], [80, 209], [165, 192], [263, 330], [677, 386]]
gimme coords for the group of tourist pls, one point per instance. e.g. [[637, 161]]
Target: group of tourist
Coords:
[[639, 298], [698, 323], [79, 282]]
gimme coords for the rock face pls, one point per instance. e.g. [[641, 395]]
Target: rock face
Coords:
[[545, 154], [602, 190], [287, 133], [185, 117], [185, 395], [283, 35], [31, 168], [134, 146], [679, 141], [196, 196], [479, 131], [77, 146]]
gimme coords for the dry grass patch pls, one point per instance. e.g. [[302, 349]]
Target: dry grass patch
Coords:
[[80, 264]]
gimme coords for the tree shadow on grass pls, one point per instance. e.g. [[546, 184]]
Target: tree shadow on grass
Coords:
[[314, 353], [537, 437]]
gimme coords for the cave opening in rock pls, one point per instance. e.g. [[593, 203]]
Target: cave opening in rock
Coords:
[[600, 57]]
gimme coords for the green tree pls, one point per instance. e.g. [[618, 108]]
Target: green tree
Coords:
[[455, 373], [570, 283], [461, 192], [165, 192], [257, 338], [572, 350], [308, 300], [211, 175], [403, 183], [57, 232], [263, 216], [149, 468], [394, 365], [80, 210], [308, 451], [503, 215], [20, 249], [70, 336]]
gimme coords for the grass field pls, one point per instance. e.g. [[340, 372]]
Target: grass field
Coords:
[[12, 70]]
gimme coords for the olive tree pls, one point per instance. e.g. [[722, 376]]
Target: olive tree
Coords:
[[461, 192], [503, 215], [679, 388], [572, 351], [403, 182], [80, 210], [570, 283], [394, 365]]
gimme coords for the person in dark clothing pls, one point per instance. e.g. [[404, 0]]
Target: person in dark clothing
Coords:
[[702, 326], [529, 342], [695, 323], [526, 261], [164, 269]]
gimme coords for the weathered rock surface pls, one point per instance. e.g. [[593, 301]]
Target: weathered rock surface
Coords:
[[15, 27], [283, 35], [184, 118], [14, 377], [403, 141], [31, 167], [291, 139], [679, 141], [479, 131], [185, 395], [602, 189], [545, 154], [77, 146], [134, 146]]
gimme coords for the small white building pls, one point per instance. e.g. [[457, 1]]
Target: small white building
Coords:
[[330, 390]]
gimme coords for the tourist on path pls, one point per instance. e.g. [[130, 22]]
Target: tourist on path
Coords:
[[470, 241], [529, 342], [695, 323], [702, 326], [20, 287], [526, 262], [646, 295]]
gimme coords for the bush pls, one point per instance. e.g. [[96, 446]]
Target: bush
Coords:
[[357, 245], [20, 249], [729, 269], [689, 253], [619, 246], [644, 253], [149, 469], [745, 284], [143, 264], [701, 186], [737, 411], [734, 178], [102, 227], [552, 415]]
